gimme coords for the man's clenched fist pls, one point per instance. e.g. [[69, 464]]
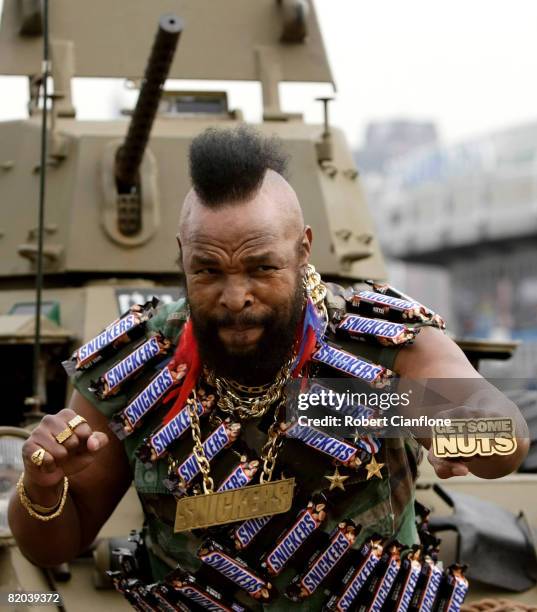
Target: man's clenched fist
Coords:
[[74, 455]]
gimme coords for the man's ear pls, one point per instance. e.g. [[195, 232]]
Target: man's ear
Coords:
[[179, 260], [305, 246]]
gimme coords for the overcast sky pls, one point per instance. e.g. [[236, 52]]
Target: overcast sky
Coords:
[[469, 65]]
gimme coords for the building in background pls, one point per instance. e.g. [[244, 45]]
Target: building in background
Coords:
[[472, 210], [389, 140]]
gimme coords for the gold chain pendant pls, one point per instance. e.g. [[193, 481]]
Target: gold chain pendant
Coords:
[[254, 501]]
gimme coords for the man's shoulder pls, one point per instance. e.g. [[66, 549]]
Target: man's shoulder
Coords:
[[337, 306]]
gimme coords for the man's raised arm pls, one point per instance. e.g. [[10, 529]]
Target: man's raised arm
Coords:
[[435, 356], [98, 474]]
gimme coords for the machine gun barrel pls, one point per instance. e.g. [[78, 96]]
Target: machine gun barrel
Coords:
[[130, 154]]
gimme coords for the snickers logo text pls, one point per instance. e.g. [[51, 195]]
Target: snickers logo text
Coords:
[[145, 400], [132, 363]]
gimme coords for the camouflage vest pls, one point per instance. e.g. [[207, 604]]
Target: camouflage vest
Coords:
[[384, 506]]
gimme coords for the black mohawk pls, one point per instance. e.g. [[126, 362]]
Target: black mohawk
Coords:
[[229, 165]]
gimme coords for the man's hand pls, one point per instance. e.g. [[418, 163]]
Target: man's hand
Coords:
[[77, 452], [447, 468], [99, 474], [434, 357]]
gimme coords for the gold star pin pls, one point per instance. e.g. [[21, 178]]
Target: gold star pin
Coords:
[[373, 468], [336, 480]]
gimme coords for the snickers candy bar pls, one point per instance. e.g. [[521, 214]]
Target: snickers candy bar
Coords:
[[215, 556], [405, 584], [145, 596], [390, 291], [307, 522], [371, 303], [134, 592], [244, 534], [385, 289], [381, 331], [123, 330], [121, 582], [375, 596], [453, 589], [156, 445], [347, 363], [126, 421], [182, 584], [323, 563], [181, 477], [111, 381], [355, 579], [164, 604], [427, 587], [240, 476], [341, 451]]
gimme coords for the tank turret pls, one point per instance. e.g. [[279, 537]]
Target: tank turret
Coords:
[[130, 154]]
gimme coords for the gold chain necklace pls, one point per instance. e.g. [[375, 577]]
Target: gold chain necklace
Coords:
[[203, 462], [240, 404]]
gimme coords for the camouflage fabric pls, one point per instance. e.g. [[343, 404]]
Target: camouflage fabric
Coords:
[[381, 506]]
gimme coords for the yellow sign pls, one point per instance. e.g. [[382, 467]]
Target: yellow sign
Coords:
[[469, 437], [254, 501]]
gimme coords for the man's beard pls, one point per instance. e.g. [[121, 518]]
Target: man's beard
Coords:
[[260, 364]]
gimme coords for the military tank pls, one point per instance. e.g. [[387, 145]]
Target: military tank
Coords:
[[114, 188], [113, 195]]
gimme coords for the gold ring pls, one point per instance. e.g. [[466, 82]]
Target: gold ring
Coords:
[[76, 421], [64, 435], [37, 457]]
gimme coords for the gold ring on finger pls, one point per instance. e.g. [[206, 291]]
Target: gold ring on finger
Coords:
[[64, 435], [76, 421], [37, 457]]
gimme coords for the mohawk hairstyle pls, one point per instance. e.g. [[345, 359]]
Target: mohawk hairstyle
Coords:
[[227, 165]]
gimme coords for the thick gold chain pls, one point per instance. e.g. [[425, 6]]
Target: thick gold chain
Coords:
[[203, 462], [251, 407], [253, 390], [270, 450]]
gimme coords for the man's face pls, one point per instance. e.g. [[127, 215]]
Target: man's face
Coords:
[[243, 266]]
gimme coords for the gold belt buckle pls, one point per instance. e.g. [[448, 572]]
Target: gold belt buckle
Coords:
[[254, 501]]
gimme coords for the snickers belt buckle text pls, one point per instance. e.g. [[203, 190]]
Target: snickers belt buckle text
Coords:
[[254, 501]]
